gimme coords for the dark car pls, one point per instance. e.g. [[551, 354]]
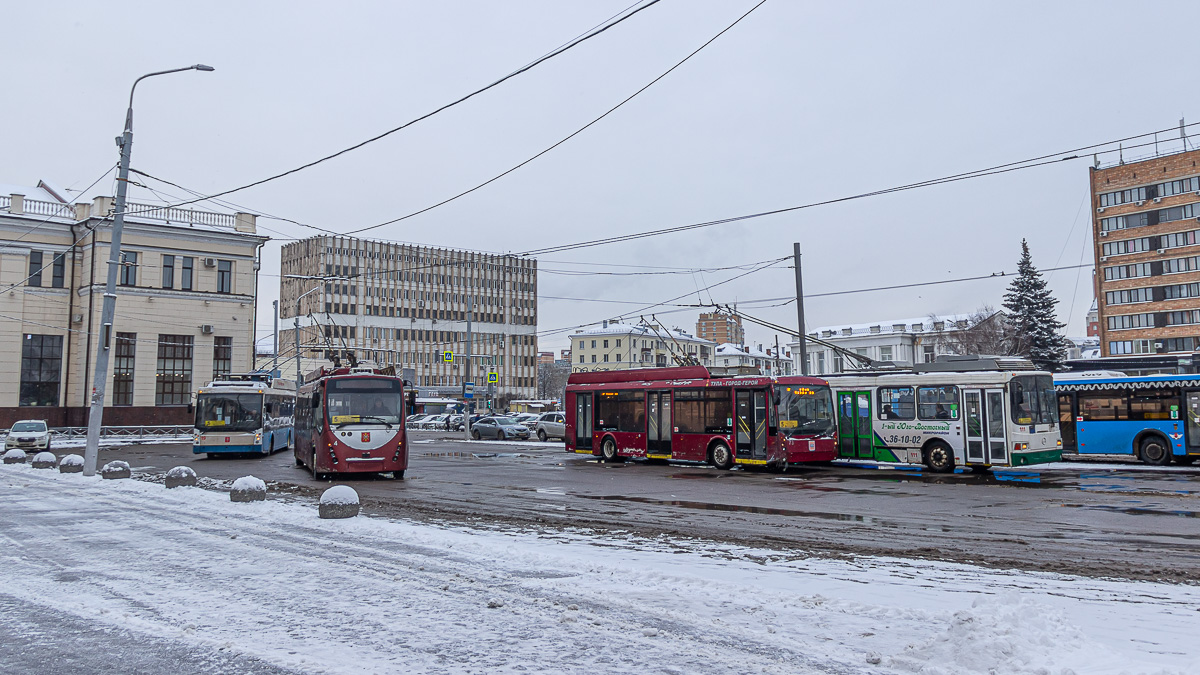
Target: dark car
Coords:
[[500, 428]]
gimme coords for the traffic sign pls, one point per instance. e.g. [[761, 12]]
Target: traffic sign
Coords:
[[468, 390], [492, 378], [447, 356]]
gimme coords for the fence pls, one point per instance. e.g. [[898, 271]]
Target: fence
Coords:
[[133, 433]]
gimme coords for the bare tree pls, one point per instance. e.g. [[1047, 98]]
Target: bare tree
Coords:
[[986, 331], [552, 379]]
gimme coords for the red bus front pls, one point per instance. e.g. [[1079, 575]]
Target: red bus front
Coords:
[[353, 424], [807, 425]]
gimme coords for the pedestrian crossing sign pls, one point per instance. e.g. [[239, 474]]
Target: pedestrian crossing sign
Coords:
[[492, 378], [448, 356]]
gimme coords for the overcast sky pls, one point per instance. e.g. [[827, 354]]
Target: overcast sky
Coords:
[[801, 102]]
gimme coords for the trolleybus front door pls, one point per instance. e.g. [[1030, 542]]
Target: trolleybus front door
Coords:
[[658, 423], [854, 424], [583, 421], [1066, 420], [986, 442], [752, 424]]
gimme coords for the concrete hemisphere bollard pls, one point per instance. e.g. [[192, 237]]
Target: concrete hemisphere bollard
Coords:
[[116, 469], [71, 464], [339, 501], [181, 476], [14, 456], [248, 489], [45, 460]]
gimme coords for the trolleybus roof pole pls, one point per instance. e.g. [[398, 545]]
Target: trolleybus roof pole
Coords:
[[803, 353]]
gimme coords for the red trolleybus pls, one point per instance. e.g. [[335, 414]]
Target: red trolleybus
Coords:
[[681, 414], [351, 420], [807, 424]]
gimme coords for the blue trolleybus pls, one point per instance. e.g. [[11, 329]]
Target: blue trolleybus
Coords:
[[1155, 418], [250, 413]]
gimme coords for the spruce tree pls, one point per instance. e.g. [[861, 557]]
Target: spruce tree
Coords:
[[1030, 308]]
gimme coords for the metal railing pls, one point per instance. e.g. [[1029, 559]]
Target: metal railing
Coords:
[[134, 433]]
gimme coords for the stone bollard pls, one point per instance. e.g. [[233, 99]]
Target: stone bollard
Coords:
[[339, 501], [71, 464], [248, 489], [45, 460], [181, 476], [14, 456], [116, 469]]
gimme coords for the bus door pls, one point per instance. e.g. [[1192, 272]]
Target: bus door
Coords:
[[986, 442], [1193, 421], [854, 424], [751, 424], [583, 421], [1066, 420], [658, 422]]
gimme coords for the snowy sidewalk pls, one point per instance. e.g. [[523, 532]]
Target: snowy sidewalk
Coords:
[[271, 582]]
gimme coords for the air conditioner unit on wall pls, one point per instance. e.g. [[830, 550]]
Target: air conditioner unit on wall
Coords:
[[1104, 234], [207, 329], [1100, 210], [1139, 202], [1157, 200], [210, 262]]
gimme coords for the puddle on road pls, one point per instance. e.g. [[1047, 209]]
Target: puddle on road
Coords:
[[1135, 510], [709, 506]]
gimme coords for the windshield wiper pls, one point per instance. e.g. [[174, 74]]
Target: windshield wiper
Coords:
[[339, 425]]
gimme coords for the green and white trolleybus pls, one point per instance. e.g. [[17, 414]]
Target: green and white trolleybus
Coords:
[[956, 412]]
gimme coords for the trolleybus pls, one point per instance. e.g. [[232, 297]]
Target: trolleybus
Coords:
[[674, 414], [959, 411], [1154, 418], [351, 420], [807, 425], [251, 413]]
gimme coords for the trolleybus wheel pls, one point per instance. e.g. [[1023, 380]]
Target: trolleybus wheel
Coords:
[[542, 435], [1155, 451], [722, 457], [608, 450], [939, 458]]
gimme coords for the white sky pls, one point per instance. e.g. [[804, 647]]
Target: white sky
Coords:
[[800, 102]]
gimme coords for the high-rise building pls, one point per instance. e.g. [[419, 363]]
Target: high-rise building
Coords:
[[721, 328], [1144, 222], [407, 305]]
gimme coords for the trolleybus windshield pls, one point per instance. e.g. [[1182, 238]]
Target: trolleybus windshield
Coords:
[[229, 412], [1033, 399], [364, 400], [805, 409]]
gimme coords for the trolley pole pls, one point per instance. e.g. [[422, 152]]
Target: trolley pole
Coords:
[[802, 352], [467, 402]]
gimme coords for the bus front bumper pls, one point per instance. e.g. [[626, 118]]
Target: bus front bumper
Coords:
[[1036, 457]]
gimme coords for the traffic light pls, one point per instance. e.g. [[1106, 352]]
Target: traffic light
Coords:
[[412, 401], [489, 405]]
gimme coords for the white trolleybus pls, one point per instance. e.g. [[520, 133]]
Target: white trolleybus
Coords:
[[251, 413], [959, 411]]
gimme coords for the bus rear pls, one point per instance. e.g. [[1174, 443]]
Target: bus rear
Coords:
[[807, 426]]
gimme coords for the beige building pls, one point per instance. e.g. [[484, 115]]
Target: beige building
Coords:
[[185, 306], [623, 346], [721, 328], [406, 305]]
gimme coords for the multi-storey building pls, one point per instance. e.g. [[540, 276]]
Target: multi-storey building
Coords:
[[407, 305], [900, 341], [1145, 229], [721, 328], [623, 346], [768, 361], [184, 314]]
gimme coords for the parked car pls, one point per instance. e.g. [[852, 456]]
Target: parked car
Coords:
[[408, 421], [416, 423], [29, 434], [551, 425], [434, 422], [526, 419], [500, 428], [455, 423]]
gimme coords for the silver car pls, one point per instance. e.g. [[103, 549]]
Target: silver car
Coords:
[[551, 425], [500, 428]]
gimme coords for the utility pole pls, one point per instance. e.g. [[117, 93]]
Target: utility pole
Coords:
[[803, 352], [467, 371], [108, 311], [275, 351], [296, 330]]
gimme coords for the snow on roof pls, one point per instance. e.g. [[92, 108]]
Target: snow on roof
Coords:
[[890, 326], [35, 193], [754, 352], [646, 331]]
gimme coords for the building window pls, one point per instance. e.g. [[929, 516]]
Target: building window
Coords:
[[885, 353], [1127, 271], [168, 267], [224, 276], [41, 368], [59, 271], [35, 268], [927, 353], [606, 358], [593, 358], [185, 273], [128, 275], [593, 344], [222, 357], [123, 369], [606, 344], [173, 382], [1128, 321], [581, 358], [1133, 295]]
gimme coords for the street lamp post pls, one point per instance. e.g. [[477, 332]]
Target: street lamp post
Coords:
[[108, 311], [296, 328]]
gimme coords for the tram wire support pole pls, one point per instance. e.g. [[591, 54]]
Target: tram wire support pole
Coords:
[[91, 452], [296, 330], [802, 352]]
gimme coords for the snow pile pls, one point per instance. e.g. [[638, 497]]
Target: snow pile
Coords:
[[339, 494], [70, 464], [181, 476], [14, 456], [248, 489], [116, 469], [249, 483], [45, 460]]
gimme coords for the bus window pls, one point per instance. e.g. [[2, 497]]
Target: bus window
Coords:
[[700, 411], [896, 403], [1154, 405], [805, 409], [937, 403], [621, 411], [1103, 406], [1033, 399]]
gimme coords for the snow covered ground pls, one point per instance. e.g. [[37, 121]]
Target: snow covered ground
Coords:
[[269, 580]]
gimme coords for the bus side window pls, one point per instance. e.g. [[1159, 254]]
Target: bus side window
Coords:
[[1103, 406]]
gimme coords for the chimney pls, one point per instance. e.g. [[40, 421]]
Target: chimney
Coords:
[[245, 222], [17, 205], [101, 206], [82, 210]]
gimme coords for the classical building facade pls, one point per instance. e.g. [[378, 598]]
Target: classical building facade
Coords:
[[184, 312], [407, 305], [901, 341], [623, 346], [1147, 252], [766, 360]]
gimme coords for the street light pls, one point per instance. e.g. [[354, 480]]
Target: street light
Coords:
[[100, 381]]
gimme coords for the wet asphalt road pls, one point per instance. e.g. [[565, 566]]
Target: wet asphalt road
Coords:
[[1123, 522]]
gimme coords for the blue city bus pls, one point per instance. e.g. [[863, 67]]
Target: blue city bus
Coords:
[[251, 413], [1155, 418]]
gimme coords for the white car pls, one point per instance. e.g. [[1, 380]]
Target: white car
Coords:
[[29, 434], [415, 421], [434, 422]]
